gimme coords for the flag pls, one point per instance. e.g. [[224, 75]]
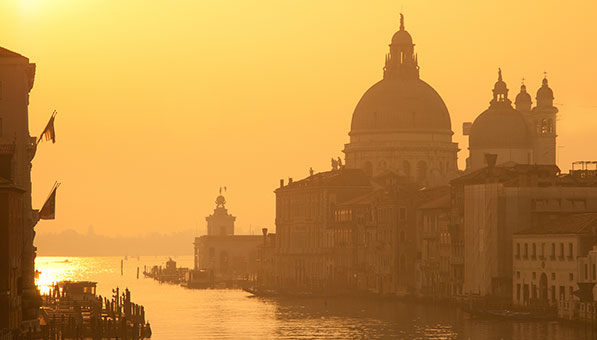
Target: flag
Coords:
[[48, 132], [48, 211]]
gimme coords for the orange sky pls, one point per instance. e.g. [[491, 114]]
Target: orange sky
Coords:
[[160, 104]]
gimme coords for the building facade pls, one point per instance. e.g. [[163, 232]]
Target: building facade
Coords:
[[224, 255], [546, 256], [17, 149]]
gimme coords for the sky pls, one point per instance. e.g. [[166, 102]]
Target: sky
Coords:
[[160, 103]]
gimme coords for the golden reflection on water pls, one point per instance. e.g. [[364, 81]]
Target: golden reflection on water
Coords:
[[181, 314]]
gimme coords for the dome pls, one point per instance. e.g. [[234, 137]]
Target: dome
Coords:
[[544, 92], [523, 96], [402, 38], [220, 201], [500, 126], [401, 104]]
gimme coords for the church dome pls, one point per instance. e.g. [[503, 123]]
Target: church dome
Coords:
[[401, 104], [545, 94], [402, 38], [500, 126], [523, 97]]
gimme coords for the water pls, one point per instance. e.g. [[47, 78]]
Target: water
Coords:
[[178, 313]]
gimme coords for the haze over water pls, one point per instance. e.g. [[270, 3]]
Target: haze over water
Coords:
[[178, 313]]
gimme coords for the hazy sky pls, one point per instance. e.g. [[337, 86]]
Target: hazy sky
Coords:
[[162, 102]]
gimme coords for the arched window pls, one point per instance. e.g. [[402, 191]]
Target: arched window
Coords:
[[421, 171]]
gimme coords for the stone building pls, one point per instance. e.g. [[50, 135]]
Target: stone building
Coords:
[[545, 263], [11, 253], [522, 134], [402, 124], [304, 227], [495, 202], [17, 149], [434, 273], [225, 255]]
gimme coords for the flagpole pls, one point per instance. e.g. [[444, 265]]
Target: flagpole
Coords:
[[54, 113]]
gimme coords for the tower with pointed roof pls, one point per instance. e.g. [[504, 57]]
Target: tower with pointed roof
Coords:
[[220, 223], [542, 119], [401, 124]]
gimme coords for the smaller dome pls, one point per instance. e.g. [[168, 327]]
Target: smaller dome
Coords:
[[500, 127], [523, 96], [544, 91], [220, 201]]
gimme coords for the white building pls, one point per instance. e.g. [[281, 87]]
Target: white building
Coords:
[[545, 267]]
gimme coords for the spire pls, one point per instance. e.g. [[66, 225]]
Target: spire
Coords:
[[499, 74], [401, 22]]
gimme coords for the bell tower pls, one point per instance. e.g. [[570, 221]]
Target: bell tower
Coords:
[[543, 118]]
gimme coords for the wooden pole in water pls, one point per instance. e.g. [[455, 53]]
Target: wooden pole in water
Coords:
[[121, 267], [137, 272]]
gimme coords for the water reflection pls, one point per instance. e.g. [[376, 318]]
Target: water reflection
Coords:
[[178, 313]]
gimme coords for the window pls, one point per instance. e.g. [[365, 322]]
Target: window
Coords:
[[402, 214], [553, 276], [518, 292], [570, 250], [561, 249], [571, 276], [518, 275], [534, 254], [534, 275], [517, 250], [553, 250], [562, 293], [526, 250], [594, 272]]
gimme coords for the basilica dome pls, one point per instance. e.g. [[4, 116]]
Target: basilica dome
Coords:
[[397, 104], [500, 126]]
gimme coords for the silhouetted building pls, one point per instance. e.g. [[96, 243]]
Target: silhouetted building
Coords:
[[523, 135], [17, 149], [225, 255], [402, 124], [11, 254]]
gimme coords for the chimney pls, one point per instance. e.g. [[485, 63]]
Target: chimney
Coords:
[[281, 183], [264, 231], [490, 159], [289, 180]]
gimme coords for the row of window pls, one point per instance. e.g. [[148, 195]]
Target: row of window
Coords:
[[524, 252], [525, 293], [553, 276]]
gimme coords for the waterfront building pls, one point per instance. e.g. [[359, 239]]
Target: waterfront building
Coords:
[[17, 149], [522, 134], [495, 202], [547, 256], [304, 226], [11, 252], [402, 124], [225, 255], [434, 275]]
